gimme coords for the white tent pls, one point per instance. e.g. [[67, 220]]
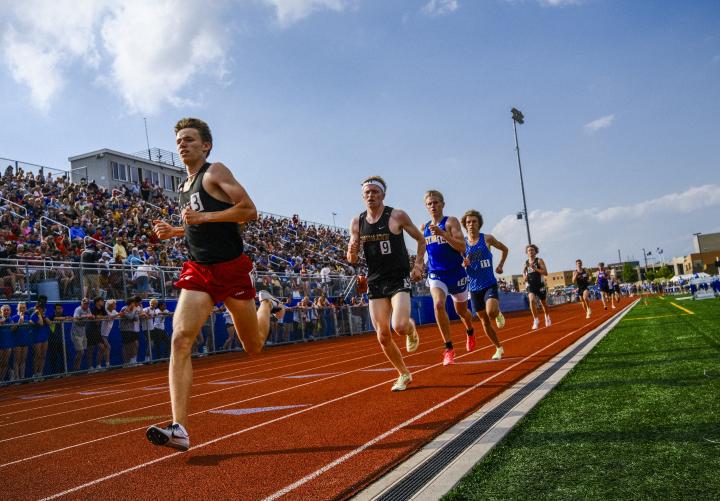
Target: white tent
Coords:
[[689, 277]]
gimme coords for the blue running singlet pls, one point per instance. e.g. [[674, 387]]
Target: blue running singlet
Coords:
[[480, 270], [441, 255]]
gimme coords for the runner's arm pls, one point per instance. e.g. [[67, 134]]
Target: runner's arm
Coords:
[[494, 242], [453, 235], [354, 243], [406, 224]]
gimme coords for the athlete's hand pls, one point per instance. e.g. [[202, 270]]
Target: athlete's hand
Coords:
[[436, 230], [162, 229], [466, 262], [190, 216], [499, 269], [353, 250], [416, 273]]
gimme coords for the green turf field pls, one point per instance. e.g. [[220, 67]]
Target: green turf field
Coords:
[[631, 421]]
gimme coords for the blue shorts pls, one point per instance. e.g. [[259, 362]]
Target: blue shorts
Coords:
[[40, 334], [6, 340], [480, 298], [21, 337], [453, 282]]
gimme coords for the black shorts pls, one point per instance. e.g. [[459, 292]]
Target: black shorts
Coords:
[[479, 298], [581, 291], [158, 335], [129, 336], [540, 291], [93, 337], [388, 287], [605, 288]]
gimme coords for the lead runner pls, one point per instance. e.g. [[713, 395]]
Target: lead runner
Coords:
[[213, 206], [380, 231]]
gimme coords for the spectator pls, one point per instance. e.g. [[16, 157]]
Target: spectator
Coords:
[[111, 314], [155, 315], [80, 317], [231, 341], [6, 341], [41, 334], [95, 344], [130, 330], [21, 340], [55, 360], [91, 278]]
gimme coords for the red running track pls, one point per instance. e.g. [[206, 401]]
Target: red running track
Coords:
[[309, 421]]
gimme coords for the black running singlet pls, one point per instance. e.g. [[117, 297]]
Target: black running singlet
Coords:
[[209, 243], [534, 278], [583, 279], [385, 252]]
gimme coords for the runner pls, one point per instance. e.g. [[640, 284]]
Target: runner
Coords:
[[581, 278], [213, 205], [604, 285], [380, 231], [534, 271], [482, 281], [446, 276], [616, 290], [612, 283]]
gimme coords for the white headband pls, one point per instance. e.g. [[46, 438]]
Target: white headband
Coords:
[[374, 182]]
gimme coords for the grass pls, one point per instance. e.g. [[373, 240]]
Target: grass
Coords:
[[628, 422]]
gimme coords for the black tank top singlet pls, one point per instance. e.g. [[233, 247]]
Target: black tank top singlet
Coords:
[[534, 278], [209, 243], [583, 279], [385, 252]]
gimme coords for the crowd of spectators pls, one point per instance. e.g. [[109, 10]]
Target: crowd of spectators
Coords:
[[46, 217]]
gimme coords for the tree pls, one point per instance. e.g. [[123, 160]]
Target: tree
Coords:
[[650, 274], [629, 274], [665, 272]]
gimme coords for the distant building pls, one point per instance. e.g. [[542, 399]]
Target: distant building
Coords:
[[111, 169], [514, 281], [558, 279]]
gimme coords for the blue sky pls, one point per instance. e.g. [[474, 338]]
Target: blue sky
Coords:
[[308, 97]]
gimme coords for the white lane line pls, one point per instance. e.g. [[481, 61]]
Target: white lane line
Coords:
[[272, 421], [212, 372], [107, 437], [141, 396], [355, 452], [45, 430]]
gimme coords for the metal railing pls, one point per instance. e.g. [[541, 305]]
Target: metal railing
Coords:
[[71, 281]]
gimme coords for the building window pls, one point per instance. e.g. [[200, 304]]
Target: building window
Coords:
[[134, 174], [119, 171], [168, 182], [155, 178]]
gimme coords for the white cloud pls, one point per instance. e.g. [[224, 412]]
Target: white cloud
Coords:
[[146, 52], [291, 11], [600, 123], [559, 3], [595, 234], [440, 7], [157, 48]]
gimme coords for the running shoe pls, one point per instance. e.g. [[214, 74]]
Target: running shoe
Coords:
[[498, 353], [449, 357], [470, 342], [276, 307], [402, 382], [589, 311], [536, 323], [173, 435], [613, 307], [412, 340], [500, 320], [548, 322]]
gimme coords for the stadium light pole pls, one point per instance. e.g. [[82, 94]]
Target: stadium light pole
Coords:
[[519, 118], [334, 214]]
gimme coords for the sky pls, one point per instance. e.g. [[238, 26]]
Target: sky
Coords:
[[306, 98]]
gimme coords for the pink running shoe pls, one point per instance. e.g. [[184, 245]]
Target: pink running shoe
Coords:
[[470, 343], [449, 357]]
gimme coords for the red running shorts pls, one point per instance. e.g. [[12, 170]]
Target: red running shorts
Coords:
[[219, 280]]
